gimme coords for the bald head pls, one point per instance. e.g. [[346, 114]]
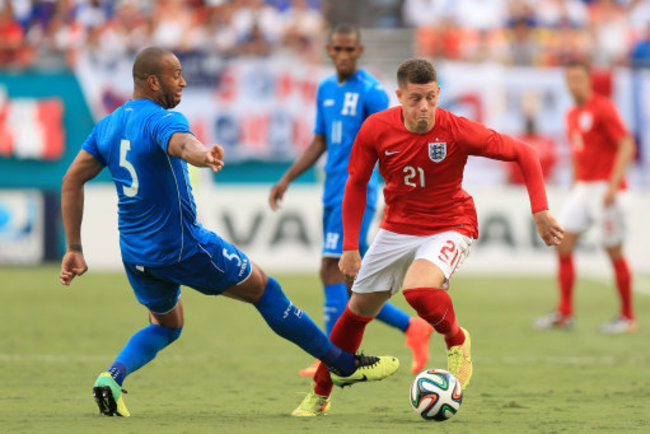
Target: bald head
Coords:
[[157, 76], [149, 62]]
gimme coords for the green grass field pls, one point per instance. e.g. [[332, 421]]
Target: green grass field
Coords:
[[228, 373]]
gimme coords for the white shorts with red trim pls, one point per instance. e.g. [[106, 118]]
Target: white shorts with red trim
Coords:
[[385, 264], [584, 207]]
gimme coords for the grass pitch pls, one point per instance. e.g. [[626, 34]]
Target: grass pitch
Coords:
[[228, 373]]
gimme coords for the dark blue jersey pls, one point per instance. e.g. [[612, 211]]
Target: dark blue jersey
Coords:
[[157, 214], [341, 109]]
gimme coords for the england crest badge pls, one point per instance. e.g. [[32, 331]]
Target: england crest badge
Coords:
[[437, 151]]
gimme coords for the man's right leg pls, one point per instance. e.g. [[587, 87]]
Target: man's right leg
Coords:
[[288, 321], [562, 317], [422, 285], [416, 330]]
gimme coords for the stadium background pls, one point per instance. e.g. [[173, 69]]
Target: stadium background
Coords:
[[253, 68]]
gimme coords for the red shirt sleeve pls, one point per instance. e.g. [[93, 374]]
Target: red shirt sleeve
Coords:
[[612, 122], [362, 162], [482, 141]]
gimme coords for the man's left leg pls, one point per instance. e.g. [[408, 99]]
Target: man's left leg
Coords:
[[347, 334], [166, 323], [422, 285]]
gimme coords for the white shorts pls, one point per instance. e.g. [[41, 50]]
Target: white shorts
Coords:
[[584, 207], [385, 264]]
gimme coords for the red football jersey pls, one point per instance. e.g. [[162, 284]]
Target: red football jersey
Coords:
[[594, 130], [424, 173]]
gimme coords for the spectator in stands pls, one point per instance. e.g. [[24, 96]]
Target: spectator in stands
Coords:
[[524, 49], [11, 37], [641, 52], [610, 32], [304, 28]]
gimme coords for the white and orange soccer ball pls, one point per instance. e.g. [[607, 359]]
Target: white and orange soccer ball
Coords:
[[436, 394]]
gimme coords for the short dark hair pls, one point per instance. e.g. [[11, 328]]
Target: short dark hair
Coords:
[[345, 29], [416, 71], [577, 62]]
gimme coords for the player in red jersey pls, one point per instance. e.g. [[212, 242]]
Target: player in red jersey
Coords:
[[430, 221], [602, 150]]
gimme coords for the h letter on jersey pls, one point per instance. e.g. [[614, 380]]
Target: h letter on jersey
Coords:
[[350, 104], [437, 151]]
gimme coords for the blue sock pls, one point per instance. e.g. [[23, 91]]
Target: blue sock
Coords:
[[394, 316], [336, 298], [293, 324], [141, 349]]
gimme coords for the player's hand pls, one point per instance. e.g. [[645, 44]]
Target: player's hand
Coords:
[[277, 193], [548, 228], [214, 158], [610, 196], [73, 264], [350, 263]]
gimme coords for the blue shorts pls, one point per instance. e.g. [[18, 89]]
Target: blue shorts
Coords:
[[333, 230], [217, 266]]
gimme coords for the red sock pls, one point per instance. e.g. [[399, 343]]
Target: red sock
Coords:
[[624, 285], [435, 306], [566, 276], [347, 335]]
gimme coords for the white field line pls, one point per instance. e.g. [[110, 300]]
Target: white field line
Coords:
[[506, 360]]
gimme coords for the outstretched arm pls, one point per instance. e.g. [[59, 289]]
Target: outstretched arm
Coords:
[[307, 158], [489, 143], [190, 149], [84, 168]]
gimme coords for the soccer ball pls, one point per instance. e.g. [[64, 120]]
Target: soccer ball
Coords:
[[436, 394]]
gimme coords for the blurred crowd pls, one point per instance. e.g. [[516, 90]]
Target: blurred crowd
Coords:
[[51, 32], [533, 32], [517, 32]]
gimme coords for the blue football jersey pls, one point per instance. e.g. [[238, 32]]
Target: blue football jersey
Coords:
[[156, 210], [341, 109]]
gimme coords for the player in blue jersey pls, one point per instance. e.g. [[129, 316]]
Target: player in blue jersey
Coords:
[[344, 101], [146, 148]]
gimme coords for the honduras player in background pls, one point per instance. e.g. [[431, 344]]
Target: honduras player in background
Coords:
[[344, 101], [146, 147]]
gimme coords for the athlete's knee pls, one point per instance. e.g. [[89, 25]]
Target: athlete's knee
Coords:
[[174, 334], [252, 289], [170, 334], [423, 273], [367, 304], [615, 253]]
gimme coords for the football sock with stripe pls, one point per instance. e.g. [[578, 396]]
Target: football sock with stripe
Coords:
[[141, 349], [293, 324], [435, 306]]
